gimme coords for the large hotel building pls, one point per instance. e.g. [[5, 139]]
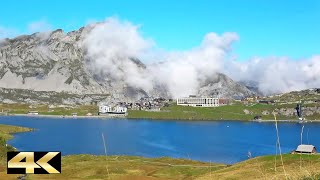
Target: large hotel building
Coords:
[[198, 101]]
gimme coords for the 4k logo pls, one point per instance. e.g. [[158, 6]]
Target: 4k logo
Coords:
[[33, 162]]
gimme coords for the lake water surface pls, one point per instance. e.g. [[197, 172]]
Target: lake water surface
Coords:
[[216, 141]]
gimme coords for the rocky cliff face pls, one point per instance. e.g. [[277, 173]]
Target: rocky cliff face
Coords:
[[46, 62], [55, 61]]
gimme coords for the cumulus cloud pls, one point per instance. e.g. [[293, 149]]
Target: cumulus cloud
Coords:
[[112, 44], [184, 72], [277, 74]]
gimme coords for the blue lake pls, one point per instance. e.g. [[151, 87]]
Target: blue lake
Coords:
[[216, 141]]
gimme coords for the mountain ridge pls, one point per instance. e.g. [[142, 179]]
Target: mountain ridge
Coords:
[[56, 61]]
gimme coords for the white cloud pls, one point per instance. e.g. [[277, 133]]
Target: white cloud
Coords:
[[183, 72], [110, 45], [277, 74]]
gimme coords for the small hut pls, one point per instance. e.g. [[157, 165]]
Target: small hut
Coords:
[[306, 149]]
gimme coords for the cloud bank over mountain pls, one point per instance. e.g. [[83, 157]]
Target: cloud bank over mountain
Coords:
[[277, 74], [111, 44]]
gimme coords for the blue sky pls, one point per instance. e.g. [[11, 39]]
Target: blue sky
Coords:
[[266, 27]]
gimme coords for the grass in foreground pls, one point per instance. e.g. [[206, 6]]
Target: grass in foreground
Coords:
[[126, 167], [129, 167], [296, 166]]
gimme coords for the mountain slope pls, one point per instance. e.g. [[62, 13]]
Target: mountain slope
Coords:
[[223, 86], [45, 62]]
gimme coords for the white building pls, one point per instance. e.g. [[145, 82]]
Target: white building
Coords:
[[104, 109], [198, 102], [120, 109]]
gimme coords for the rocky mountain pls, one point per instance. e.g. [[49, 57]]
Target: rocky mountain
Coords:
[[56, 62], [223, 86], [45, 62], [252, 86], [10, 96]]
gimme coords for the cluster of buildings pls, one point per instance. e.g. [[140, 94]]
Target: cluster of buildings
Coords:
[[154, 104], [201, 101], [121, 108], [150, 104]]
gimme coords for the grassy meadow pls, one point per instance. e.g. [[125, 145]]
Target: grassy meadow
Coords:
[[139, 168], [295, 166], [81, 110], [129, 167], [227, 112], [235, 111]]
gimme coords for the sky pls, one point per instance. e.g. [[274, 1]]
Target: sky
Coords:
[[266, 28]]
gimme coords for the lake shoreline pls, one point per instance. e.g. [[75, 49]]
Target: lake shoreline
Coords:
[[162, 119]]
